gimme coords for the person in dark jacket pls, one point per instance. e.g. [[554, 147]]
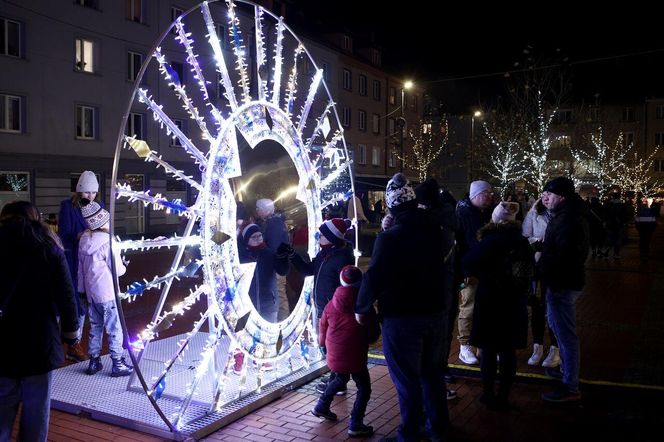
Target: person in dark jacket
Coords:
[[645, 223], [71, 225], [406, 277], [35, 287], [561, 268], [503, 263], [441, 206], [335, 253], [346, 344], [472, 213]]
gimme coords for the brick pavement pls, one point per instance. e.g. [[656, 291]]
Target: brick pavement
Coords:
[[621, 325]]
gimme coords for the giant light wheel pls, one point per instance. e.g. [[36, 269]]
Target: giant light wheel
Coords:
[[241, 78]]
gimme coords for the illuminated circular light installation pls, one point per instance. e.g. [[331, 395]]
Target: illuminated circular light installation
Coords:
[[251, 100]]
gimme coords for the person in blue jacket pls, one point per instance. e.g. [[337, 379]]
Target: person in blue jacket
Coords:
[[71, 225]]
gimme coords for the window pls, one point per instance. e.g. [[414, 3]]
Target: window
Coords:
[[375, 57], [11, 113], [361, 155], [375, 123], [362, 120], [134, 62], [391, 129], [85, 55], [393, 95], [348, 43], [363, 85], [392, 158], [135, 126], [659, 112], [375, 156], [179, 70], [426, 128], [86, 122], [346, 116], [134, 10], [175, 141], [376, 90], [14, 186], [175, 13], [628, 139], [10, 37], [348, 80], [659, 165], [221, 33], [659, 138], [628, 114]]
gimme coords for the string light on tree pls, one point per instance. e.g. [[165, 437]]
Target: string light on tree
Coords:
[[428, 144]]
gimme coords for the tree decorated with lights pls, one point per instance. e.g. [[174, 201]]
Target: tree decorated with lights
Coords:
[[428, 143], [602, 160], [258, 100], [633, 174], [539, 146], [505, 137]]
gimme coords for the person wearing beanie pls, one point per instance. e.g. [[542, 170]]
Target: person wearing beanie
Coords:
[[561, 268], [502, 262], [346, 343], [275, 232], [95, 283], [333, 255], [534, 228], [406, 278], [70, 226], [472, 214]]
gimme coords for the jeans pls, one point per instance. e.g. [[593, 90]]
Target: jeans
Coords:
[[561, 307], [538, 315], [105, 315], [411, 346], [338, 382], [35, 394]]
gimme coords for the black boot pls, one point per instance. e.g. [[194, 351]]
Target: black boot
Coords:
[[120, 367], [94, 366]]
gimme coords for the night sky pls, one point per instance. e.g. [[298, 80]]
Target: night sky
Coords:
[[463, 51]]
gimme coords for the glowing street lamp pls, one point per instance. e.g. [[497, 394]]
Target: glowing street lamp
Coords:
[[401, 122], [476, 114]]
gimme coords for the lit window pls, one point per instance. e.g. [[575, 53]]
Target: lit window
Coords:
[[393, 95], [84, 55], [375, 123], [392, 159], [10, 37], [10, 113], [86, 122], [375, 156], [134, 62]]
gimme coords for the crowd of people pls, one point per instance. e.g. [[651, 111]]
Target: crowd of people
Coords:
[[436, 262]]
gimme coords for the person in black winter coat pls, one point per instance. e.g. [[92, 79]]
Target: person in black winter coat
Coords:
[[35, 287], [406, 277], [503, 263]]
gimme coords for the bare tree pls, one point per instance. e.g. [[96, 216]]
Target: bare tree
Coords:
[[428, 144]]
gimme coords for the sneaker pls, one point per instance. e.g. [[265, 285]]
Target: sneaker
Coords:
[[327, 414], [467, 356], [121, 368], [451, 394], [322, 386], [360, 430], [94, 366], [538, 352], [552, 359], [239, 361], [562, 396], [75, 353]]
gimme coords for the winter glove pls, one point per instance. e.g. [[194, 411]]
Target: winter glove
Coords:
[[284, 250]]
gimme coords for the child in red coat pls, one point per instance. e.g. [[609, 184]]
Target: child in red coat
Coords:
[[346, 344]]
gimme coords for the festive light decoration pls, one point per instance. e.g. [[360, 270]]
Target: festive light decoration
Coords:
[[633, 174], [507, 161], [427, 146], [539, 145], [250, 113]]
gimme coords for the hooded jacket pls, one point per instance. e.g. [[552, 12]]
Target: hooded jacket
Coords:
[[344, 338], [95, 278]]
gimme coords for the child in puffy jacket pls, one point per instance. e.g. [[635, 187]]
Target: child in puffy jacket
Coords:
[[346, 343], [95, 280]]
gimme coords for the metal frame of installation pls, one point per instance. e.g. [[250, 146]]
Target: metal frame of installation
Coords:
[[185, 384]]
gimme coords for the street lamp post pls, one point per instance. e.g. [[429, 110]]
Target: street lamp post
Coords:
[[476, 114], [401, 122]]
